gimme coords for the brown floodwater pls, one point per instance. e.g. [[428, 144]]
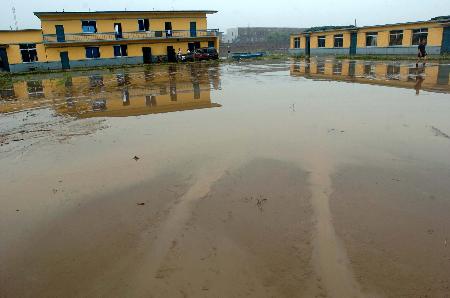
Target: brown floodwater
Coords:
[[283, 178]]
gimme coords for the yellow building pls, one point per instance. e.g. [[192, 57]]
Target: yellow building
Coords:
[[104, 38], [391, 39]]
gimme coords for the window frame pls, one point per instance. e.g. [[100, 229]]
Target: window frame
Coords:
[[322, 38], [396, 33], [89, 32], [145, 28], [374, 36], [338, 36], [29, 49], [297, 42], [86, 52], [121, 47], [419, 33]]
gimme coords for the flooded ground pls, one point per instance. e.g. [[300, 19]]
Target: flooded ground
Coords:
[[296, 178]]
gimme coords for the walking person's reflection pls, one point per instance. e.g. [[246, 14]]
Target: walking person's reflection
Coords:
[[419, 81]]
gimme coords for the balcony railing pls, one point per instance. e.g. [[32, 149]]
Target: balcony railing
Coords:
[[111, 36]]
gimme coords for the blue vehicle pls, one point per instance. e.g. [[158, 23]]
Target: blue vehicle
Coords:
[[239, 56]]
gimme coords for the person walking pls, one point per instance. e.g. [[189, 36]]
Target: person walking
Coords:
[[422, 52], [179, 54]]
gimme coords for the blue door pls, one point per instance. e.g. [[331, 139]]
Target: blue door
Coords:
[[4, 64], [445, 49], [60, 36], [353, 43], [308, 46], [193, 29], [65, 63]]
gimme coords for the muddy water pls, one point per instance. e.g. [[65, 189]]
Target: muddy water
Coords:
[[264, 179]]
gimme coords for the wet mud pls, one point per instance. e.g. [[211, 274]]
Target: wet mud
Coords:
[[297, 178]]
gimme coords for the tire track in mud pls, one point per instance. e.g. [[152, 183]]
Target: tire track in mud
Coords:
[[173, 226], [329, 256]]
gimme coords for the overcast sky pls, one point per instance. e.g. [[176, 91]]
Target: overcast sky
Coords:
[[233, 13]]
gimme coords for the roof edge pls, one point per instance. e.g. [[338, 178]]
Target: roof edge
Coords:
[[20, 30], [43, 13]]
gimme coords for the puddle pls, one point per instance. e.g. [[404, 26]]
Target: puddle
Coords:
[[258, 178]]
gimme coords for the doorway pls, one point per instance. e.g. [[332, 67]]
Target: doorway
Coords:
[[4, 64], [171, 55], [168, 28], [353, 42], [445, 49], [118, 30], [65, 63], [308, 46], [147, 55], [60, 36]]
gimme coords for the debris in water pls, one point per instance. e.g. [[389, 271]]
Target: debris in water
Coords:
[[439, 133], [260, 202], [136, 158]]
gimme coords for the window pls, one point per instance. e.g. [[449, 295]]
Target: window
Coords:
[[144, 25], [371, 39], [92, 52], [28, 52], [296, 42], [211, 44], [419, 35], [370, 70], [321, 41], [321, 67], [339, 41], [396, 38], [96, 81], [35, 89], [393, 72], [120, 50], [89, 26], [337, 68]]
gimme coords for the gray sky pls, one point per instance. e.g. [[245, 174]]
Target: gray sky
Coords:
[[232, 13]]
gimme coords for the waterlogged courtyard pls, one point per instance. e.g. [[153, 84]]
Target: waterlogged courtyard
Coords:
[[283, 178]]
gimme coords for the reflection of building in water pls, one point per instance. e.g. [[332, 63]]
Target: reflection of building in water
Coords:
[[432, 78], [161, 89]]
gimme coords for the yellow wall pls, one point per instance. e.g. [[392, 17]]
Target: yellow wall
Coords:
[[434, 34], [329, 39], [14, 38], [107, 51], [105, 22]]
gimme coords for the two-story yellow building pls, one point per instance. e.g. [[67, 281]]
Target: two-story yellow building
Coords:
[[104, 38], [391, 39]]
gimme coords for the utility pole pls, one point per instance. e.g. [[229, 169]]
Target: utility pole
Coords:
[[15, 18]]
